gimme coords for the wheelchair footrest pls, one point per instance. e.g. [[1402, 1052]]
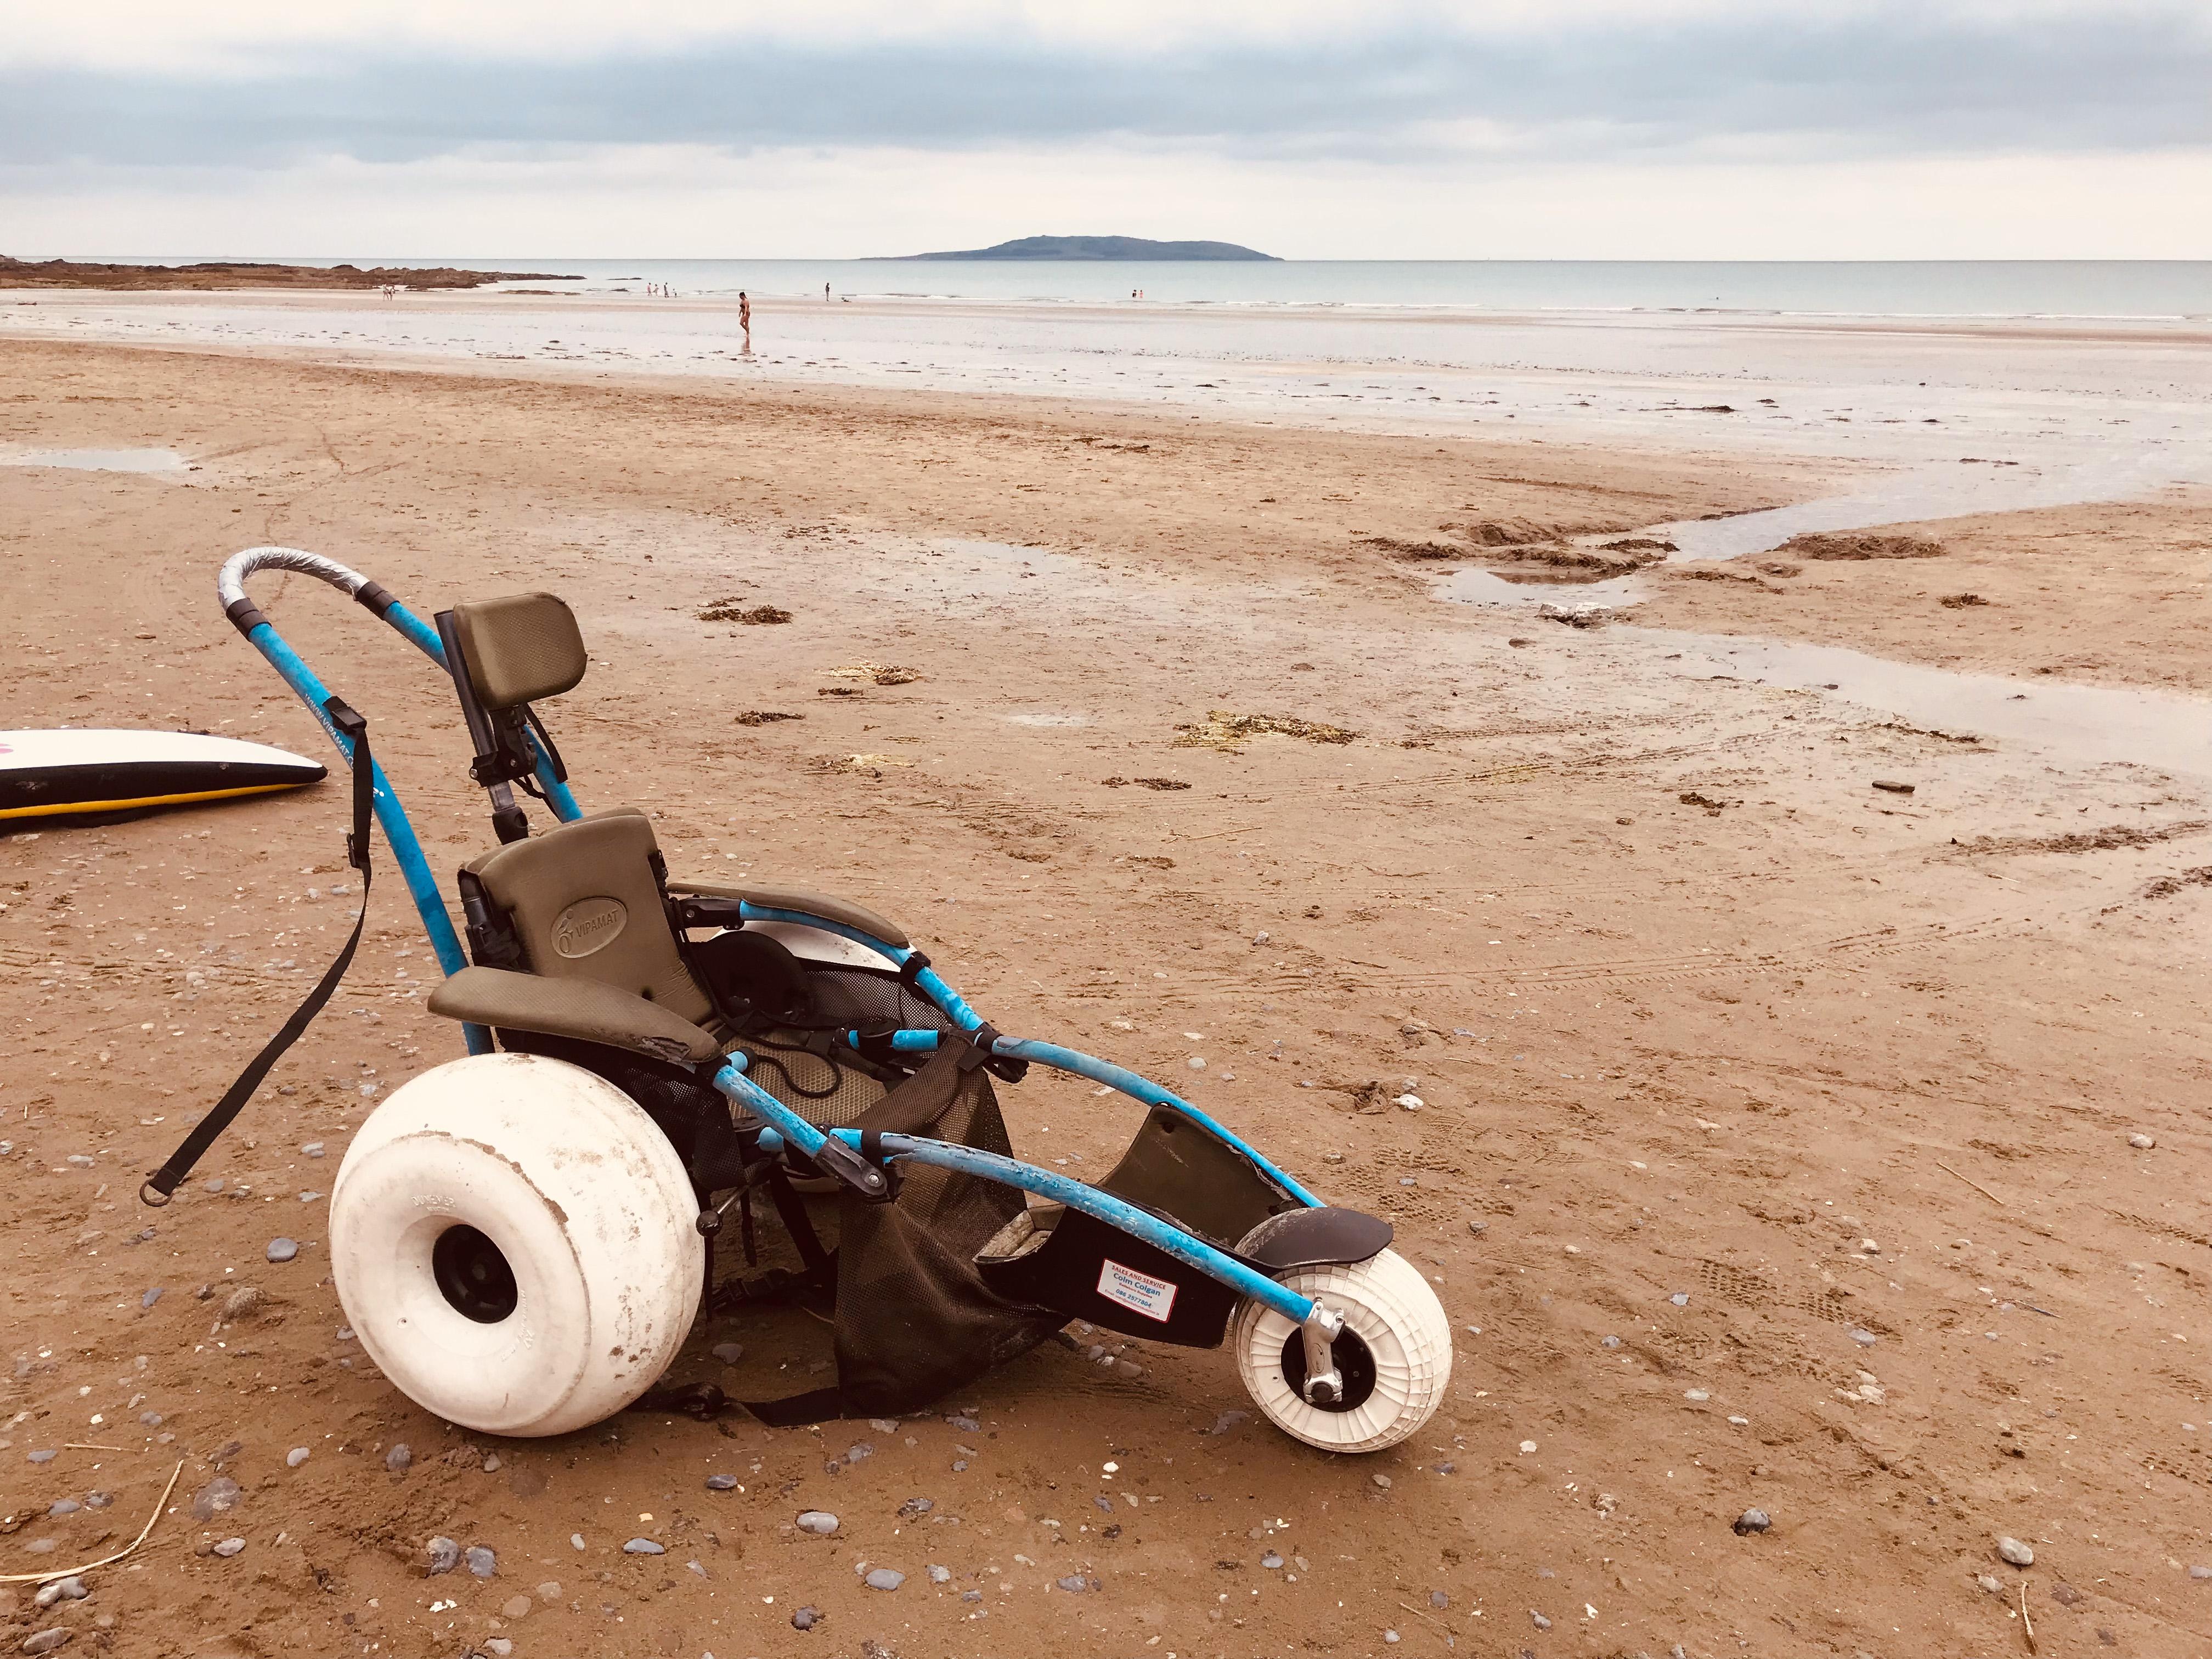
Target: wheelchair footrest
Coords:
[[1074, 1264]]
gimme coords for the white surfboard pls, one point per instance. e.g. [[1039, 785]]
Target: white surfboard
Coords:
[[61, 775]]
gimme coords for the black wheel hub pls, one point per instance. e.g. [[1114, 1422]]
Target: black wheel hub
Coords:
[[473, 1275], [1354, 1364]]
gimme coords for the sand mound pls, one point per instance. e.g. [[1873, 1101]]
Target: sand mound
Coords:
[[1863, 546]]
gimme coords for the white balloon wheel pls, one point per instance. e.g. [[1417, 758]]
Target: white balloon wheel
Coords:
[[515, 1244], [1395, 1355]]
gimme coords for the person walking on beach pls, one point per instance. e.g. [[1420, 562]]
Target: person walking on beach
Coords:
[[746, 318]]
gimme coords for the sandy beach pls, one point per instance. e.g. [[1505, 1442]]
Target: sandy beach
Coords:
[[1798, 957]]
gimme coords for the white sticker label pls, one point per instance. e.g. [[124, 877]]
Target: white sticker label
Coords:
[[1152, 1297]]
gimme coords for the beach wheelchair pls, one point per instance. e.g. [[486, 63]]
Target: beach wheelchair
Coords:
[[523, 1238]]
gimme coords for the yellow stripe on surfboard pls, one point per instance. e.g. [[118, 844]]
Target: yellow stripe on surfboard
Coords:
[[55, 808]]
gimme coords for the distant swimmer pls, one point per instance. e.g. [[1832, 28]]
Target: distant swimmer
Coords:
[[746, 318], [825, 291]]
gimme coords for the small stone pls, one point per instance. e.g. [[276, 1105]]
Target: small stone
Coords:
[[218, 1497], [1477, 1228], [966, 1425], [482, 1563], [1868, 1247], [915, 1508], [1608, 1342], [1894, 787], [820, 1522], [1271, 1561], [98, 1500], [62, 1506], [47, 1640], [296, 1456], [729, 1352], [1438, 1599], [1528, 1446], [1075, 1584], [1680, 1298], [152, 1296], [939, 1575], [491, 1462], [398, 1457], [1752, 1521], [693, 1566], [229, 1546], [1865, 1339], [44, 1454], [283, 1249], [971, 1595], [859, 1449], [2141, 1143], [242, 1303], [151, 1420], [1382, 1481], [1542, 1623], [721, 1483], [1391, 1638], [312, 1149], [1699, 1394], [550, 1591], [807, 1619], [1993, 1586], [498, 1646], [61, 1589], [445, 1555], [2065, 1594], [883, 1578], [2012, 1550], [516, 1606], [1411, 1102], [644, 1547]]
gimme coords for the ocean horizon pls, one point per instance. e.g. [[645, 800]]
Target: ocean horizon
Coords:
[[2086, 289]]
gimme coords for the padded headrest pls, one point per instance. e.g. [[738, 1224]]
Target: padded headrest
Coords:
[[520, 648]]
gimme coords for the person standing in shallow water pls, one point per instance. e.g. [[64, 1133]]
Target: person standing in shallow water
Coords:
[[746, 318]]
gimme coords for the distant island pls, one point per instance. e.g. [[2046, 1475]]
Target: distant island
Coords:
[[1095, 247], [69, 273]]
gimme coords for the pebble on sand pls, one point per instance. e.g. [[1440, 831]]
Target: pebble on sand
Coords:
[[71, 1588], [884, 1578], [296, 1456], [820, 1522], [398, 1457], [721, 1483], [229, 1546], [729, 1352], [516, 1606], [152, 1296], [444, 1555], [807, 1619], [483, 1563], [283, 1249], [939, 1575], [2141, 1142], [47, 1640], [644, 1547], [2012, 1550], [1752, 1521]]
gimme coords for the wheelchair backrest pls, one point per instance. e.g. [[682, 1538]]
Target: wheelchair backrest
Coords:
[[585, 901]]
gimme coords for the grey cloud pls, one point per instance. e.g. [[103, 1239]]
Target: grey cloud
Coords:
[[1908, 80]]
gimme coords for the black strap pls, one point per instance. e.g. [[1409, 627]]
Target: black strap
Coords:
[[165, 1180]]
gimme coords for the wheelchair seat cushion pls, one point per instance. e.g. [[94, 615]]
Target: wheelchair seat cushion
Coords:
[[586, 904]]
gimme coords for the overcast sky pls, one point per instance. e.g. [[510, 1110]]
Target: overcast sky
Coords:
[[1573, 128]]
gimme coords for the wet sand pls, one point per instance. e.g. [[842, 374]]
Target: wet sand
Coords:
[[1699, 1014]]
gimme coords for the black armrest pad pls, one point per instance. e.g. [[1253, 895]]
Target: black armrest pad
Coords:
[[806, 903], [580, 1008]]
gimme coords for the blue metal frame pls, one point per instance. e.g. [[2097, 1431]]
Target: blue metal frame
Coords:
[[785, 1126]]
